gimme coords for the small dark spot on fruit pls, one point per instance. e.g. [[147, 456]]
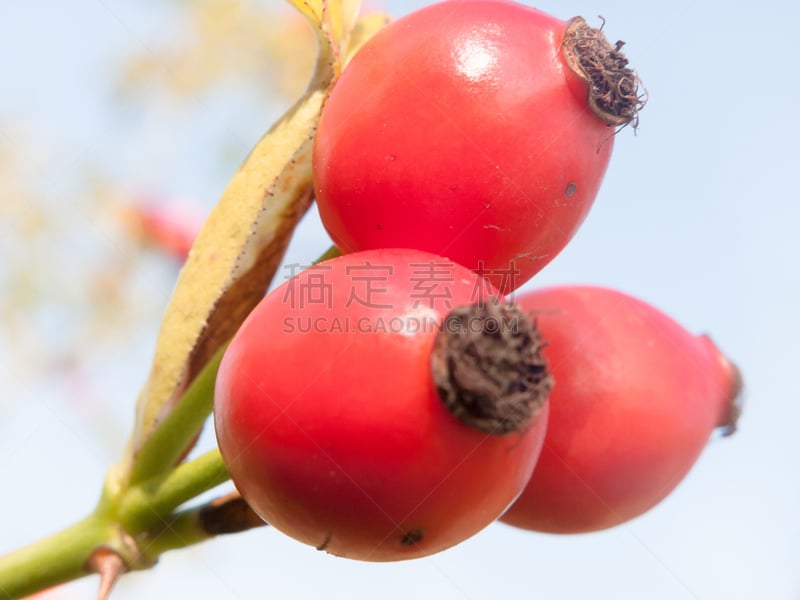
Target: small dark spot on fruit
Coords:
[[379, 227], [325, 542], [411, 537], [571, 188]]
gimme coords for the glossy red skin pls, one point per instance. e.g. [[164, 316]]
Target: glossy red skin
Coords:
[[339, 439], [635, 400], [459, 130]]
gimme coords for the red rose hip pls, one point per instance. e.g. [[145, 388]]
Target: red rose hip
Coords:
[[478, 130], [369, 407], [635, 399]]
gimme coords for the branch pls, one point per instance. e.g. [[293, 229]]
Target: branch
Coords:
[[56, 559]]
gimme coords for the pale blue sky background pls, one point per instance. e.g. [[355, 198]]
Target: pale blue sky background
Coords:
[[698, 215]]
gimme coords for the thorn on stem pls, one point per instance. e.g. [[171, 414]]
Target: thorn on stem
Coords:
[[109, 565]]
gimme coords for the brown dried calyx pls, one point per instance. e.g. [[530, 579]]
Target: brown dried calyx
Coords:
[[735, 399], [613, 86], [488, 367]]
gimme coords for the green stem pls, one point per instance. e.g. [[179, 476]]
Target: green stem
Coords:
[[53, 560], [151, 502], [225, 515], [145, 510], [179, 531], [165, 447]]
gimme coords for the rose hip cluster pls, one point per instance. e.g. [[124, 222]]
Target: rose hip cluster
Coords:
[[389, 403]]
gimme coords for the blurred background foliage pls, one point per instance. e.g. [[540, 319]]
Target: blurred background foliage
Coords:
[[89, 249], [222, 41]]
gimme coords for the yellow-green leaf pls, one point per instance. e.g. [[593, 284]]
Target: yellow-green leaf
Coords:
[[337, 18], [243, 241]]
